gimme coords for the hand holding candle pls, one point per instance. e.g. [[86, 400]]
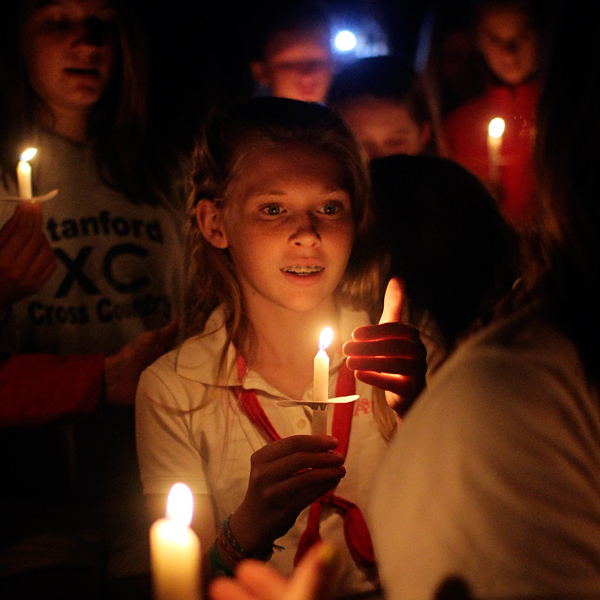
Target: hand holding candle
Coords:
[[175, 550], [24, 174], [321, 383]]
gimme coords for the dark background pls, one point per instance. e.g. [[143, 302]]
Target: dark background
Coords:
[[198, 50]]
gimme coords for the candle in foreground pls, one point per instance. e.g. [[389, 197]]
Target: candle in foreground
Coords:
[[24, 174], [494, 142], [175, 549], [321, 382]]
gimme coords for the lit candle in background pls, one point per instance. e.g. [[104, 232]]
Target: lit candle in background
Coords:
[[175, 549], [494, 143], [321, 382], [24, 173]]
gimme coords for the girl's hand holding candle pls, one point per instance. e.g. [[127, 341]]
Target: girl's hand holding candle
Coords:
[[321, 383], [175, 550]]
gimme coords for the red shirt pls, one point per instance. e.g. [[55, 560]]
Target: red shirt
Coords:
[[36, 389], [466, 133]]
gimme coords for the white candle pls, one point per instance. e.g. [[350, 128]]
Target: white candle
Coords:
[[494, 143], [175, 550], [321, 382], [24, 174]]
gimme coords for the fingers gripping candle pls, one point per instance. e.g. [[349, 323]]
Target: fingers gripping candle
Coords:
[[24, 174], [175, 550], [321, 383]]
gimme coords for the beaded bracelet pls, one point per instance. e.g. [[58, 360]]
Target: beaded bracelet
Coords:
[[217, 565], [232, 548]]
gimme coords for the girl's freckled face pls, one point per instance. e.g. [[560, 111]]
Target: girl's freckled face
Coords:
[[289, 227]]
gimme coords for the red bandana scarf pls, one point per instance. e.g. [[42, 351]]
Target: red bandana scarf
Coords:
[[356, 532]]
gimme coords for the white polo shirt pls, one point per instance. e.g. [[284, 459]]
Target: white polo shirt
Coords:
[[190, 428]]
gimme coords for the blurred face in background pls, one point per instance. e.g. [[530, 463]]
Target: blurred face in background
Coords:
[[508, 43], [384, 127], [70, 50], [297, 65]]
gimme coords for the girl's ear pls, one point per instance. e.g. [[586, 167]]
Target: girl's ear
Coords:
[[210, 223]]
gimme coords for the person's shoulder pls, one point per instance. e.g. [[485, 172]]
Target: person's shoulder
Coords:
[[525, 337], [163, 368], [499, 399], [191, 354], [167, 382], [510, 372]]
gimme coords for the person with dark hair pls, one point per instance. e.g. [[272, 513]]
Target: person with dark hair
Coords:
[[291, 56], [447, 242], [384, 102]]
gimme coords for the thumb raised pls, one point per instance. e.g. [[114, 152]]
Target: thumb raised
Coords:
[[392, 301]]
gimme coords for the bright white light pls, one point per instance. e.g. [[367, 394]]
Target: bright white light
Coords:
[[325, 338], [345, 41], [180, 504], [28, 154], [496, 127]]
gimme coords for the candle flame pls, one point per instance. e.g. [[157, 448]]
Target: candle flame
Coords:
[[325, 338], [180, 504], [496, 127], [28, 154]]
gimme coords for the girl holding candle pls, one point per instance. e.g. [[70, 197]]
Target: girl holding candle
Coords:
[[74, 88], [280, 225], [508, 38]]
